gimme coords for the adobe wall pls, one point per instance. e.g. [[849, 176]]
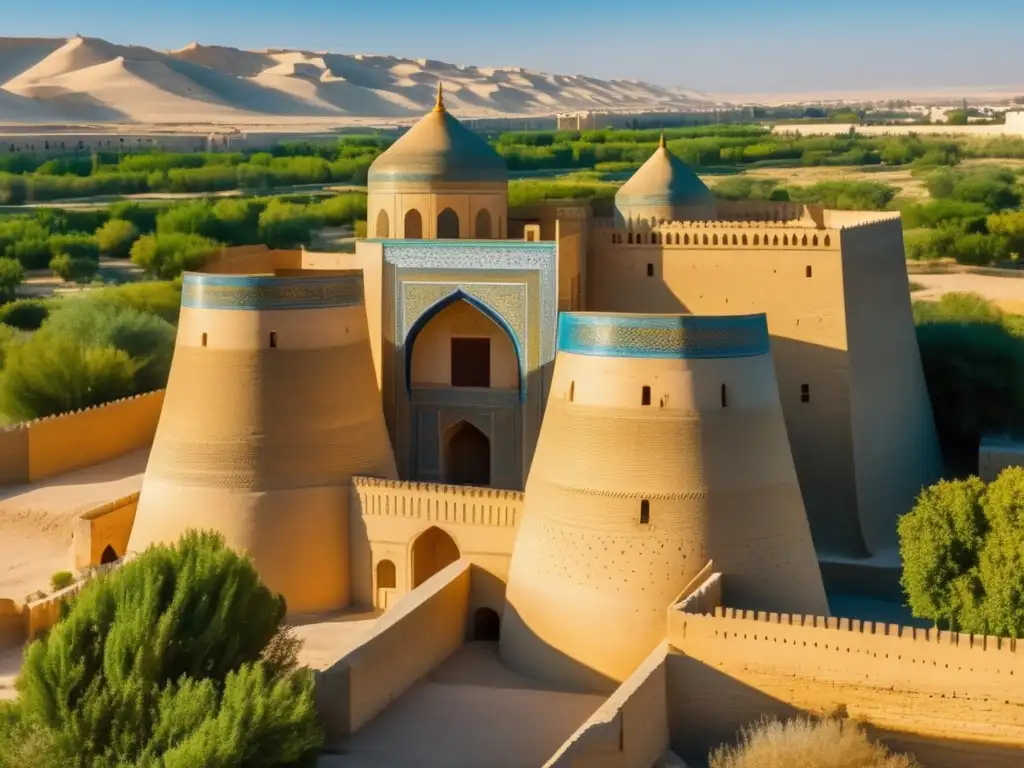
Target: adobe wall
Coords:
[[12, 624], [50, 446], [746, 272], [252, 260], [387, 516], [630, 730], [953, 700], [405, 644], [896, 450], [108, 525]]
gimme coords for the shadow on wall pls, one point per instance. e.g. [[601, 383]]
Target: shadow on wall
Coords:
[[707, 707]]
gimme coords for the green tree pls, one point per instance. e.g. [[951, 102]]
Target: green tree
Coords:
[[178, 658], [11, 276], [115, 238], [24, 314], [167, 255], [71, 269], [287, 225], [76, 245]]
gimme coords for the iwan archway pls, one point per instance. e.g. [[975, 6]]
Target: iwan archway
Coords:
[[467, 456], [432, 551]]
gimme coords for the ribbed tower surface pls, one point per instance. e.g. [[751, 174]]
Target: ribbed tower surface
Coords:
[[663, 446], [271, 407]]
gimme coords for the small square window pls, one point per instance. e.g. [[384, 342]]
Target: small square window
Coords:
[[808, 270], [645, 397], [805, 393], [273, 339], [645, 512], [650, 270]]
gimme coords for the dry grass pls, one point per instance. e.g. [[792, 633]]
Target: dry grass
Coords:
[[898, 177], [807, 743]]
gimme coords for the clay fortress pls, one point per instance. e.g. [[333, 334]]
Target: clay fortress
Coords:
[[594, 475]]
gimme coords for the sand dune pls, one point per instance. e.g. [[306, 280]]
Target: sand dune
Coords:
[[87, 79]]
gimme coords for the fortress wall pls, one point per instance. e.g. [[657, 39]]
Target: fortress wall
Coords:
[[952, 699], [388, 515], [106, 525], [12, 624], [896, 450], [14, 454], [253, 260], [630, 730], [79, 439], [406, 643], [807, 322], [272, 405]]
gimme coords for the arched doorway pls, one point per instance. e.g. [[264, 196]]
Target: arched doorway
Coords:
[[383, 228], [483, 224], [386, 575], [467, 456], [432, 551], [486, 625], [413, 225], [108, 556], [448, 225]]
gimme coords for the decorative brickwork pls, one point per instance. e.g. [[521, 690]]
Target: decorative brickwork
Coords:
[[251, 292]]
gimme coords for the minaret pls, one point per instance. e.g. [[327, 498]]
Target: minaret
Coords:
[[663, 447]]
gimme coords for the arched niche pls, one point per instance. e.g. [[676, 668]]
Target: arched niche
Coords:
[[432, 551], [453, 341], [413, 225], [383, 225], [448, 225], [482, 226], [387, 577], [467, 456]]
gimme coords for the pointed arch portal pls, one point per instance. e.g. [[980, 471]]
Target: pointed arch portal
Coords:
[[467, 456], [432, 551]]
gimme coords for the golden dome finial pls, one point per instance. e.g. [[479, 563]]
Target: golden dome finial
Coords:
[[661, 141], [439, 106]]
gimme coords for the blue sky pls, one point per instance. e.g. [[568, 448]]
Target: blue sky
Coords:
[[714, 45]]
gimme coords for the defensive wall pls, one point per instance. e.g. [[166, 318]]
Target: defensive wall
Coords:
[[102, 532], [952, 699], [403, 645], [388, 517], [38, 449]]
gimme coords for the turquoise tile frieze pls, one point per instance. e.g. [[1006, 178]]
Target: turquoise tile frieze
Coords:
[[663, 336], [252, 292]]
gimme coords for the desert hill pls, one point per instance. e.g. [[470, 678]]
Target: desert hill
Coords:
[[91, 80]]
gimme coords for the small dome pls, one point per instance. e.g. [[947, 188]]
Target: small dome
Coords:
[[664, 180], [439, 149]]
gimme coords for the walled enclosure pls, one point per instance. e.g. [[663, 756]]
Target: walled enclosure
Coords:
[[102, 530], [663, 444], [953, 700], [257, 440], [856, 408]]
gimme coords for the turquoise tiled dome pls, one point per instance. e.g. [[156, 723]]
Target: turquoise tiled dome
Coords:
[[439, 149]]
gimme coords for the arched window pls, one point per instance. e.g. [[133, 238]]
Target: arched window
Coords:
[[686, 239], [483, 224], [828, 241], [734, 242], [775, 240], [714, 239], [386, 578], [448, 225], [814, 240], [630, 238], [785, 239], [744, 239], [757, 239], [383, 228], [803, 240], [413, 224], [705, 239], [677, 238]]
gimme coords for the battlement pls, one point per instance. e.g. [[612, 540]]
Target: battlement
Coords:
[[78, 411], [437, 502]]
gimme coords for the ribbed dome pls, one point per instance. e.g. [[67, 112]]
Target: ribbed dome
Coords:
[[438, 149], [664, 180]]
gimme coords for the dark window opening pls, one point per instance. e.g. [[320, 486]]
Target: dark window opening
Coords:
[[273, 339], [572, 390], [725, 397], [805, 393], [471, 362], [645, 398], [486, 625], [204, 339], [650, 270], [108, 555], [645, 512], [808, 270]]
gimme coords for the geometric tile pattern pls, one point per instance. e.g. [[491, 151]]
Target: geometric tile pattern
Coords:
[[249, 292]]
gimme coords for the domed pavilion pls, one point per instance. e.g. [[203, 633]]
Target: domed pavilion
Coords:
[[664, 188]]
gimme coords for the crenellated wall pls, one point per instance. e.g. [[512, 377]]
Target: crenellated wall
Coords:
[[388, 516], [36, 450], [952, 699]]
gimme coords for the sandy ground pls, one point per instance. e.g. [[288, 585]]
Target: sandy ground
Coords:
[[1005, 292], [36, 520], [472, 711], [88, 80]]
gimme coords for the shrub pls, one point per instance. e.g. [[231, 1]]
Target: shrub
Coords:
[[61, 580], [169, 660], [287, 225], [115, 238], [71, 269], [342, 209], [804, 742], [142, 216], [24, 314], [157, 297], [76, 245], [33, 253], [11, 276], [168, 255]]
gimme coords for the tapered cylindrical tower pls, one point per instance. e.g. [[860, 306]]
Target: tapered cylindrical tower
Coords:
[[271, 407], [663, 446]]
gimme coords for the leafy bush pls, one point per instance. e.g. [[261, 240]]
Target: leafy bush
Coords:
[[805, 743], [168, 255], [962, 547], [71, 269], [76, 245], [342, 209], [61, 580], [846, 195], [157, 297], [287, 225], [11, 276], [24, 314], [115, 238], [177, 658]]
